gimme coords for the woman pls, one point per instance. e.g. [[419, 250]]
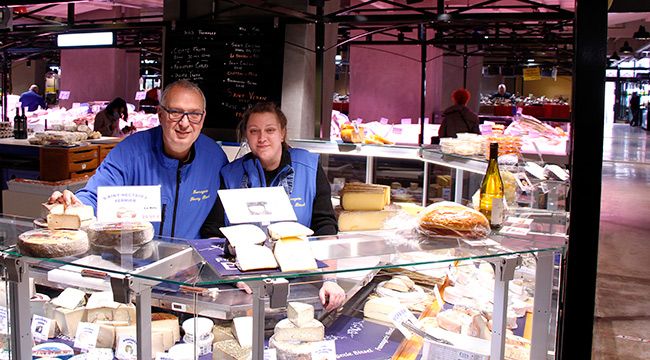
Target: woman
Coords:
[[107, 121], [272, 162], [458, 118]]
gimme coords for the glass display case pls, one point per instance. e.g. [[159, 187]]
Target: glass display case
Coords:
[[509, 279]]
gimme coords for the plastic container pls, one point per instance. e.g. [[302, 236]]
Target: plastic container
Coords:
[[204, 346], [198, 327], [183, 352]]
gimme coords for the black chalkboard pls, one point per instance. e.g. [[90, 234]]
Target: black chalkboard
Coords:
[[236, 65]]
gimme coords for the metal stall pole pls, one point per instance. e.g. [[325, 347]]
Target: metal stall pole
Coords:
[[5, 86], [422, 38], [579, 288], [320, 61], [504, 271], [425, 184], [542, 305], [16, 274], [123, 288], [458, 186], [259, 294]]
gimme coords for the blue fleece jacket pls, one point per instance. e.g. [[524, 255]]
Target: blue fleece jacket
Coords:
[[140, 160]]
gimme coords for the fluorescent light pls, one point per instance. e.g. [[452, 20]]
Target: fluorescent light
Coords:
[[338, 57], [85, 39], [531, 60]]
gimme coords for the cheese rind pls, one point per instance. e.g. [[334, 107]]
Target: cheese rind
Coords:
[[230, 350], [45, 243], [363, 200], [300, 313], [313, 330], [291, 350], [364, 220], [286, 229]]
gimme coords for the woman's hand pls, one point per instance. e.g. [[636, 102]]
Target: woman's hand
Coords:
[[331, 295]]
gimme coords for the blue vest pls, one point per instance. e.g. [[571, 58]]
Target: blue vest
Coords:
[[298, 179]]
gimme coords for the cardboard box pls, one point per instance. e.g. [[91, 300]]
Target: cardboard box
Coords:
[[22, 204]]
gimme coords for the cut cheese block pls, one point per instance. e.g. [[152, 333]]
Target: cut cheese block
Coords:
[[125, 313], [288, 229], [397, 285], [255, 257], [70, 299], [364, 220], [380, 308], [72, 217], [166, 322], [244, 234], [406, 280], [294, 255], [300, 313], [230, 350], [312, 330], [102, 314], [357, 187], [291, 350], [101, 299], [363, 200], [106, 336], [242, 328], [453, 321], [222, 333], [67, 320], [45, 243], [120, 233]]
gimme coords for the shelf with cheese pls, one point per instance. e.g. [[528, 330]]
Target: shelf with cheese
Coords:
[[170, 273]]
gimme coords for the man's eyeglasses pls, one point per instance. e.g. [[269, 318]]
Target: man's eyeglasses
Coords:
[[176, 115]]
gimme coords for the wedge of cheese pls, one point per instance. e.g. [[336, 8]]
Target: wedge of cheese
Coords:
[[230, 350], [242, 328], [294, 255], [300, 313], [72, 217], [364, 220], [288, 229], [255, 257], [67, 320], [380, 308]]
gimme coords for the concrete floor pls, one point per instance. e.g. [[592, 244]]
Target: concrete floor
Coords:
[[622, 316]]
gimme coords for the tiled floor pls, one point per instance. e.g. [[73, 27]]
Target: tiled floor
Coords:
[[622, 323]]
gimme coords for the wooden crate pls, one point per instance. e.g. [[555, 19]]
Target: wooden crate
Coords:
[[68, 163]]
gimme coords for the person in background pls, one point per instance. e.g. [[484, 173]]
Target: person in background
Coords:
[[107, 121], [501, 93], [458, 118], [272, 162], [174, 155], [31, 99], [635, 108], [150, 102]]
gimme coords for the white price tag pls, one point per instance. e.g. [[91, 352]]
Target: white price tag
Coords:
[[86, 337], [163, 356], [323, 350], [140, 95], [436, 292], [401, 316], [127, 348], [270, 354], [383, 121], [40, 328], [519, 221], [511, 230], [100, 354], [64, 95], [128, 203], [3, 320], [484, 242], [259, 205]]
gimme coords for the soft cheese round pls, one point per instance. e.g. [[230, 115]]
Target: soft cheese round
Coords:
[[120, 233], [291, 350], [47, 243]]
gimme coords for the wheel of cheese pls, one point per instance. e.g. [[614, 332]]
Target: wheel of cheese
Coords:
[[291, 350], [120, 233], [45, 243]]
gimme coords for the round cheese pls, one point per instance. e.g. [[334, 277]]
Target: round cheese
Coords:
[[45, 243], [120, 233], [291, 350]]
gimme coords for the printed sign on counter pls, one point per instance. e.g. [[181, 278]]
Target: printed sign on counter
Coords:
[[140, 95], [259, 205], [323, 350], [128, 203], [3, 320], [127, 348], [86, 337], [64, 95], [40, 327]]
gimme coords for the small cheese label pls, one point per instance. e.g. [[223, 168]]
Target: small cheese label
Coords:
[[40, 328], [3, 320], [127, 348], [86, 337], [519, 221], [140, 95], [163, 356], [401, 316], [64, 95], [512, 230], [323, 350], [270, 354]]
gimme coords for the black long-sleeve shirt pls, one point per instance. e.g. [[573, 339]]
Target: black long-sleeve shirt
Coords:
[[323, 219]]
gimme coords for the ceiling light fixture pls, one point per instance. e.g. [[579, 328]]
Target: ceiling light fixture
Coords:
[[88, 39], [642, 33], [626, 48]]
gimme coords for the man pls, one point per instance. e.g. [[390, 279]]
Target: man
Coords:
[[635, 107], [501, 93], [31, 100], [174, 155]]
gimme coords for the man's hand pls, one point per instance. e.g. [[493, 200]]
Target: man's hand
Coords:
[[66, 198], [243, 286], [331, 295]]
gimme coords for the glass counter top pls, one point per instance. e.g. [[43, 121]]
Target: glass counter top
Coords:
[[174, 262]]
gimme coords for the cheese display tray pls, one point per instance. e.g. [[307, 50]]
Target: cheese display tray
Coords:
[[211, 250]]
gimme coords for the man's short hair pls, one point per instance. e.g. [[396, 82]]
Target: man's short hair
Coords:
[[185, 84], [33, 87]]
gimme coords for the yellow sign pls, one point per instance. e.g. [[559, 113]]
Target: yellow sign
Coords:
[[532, 73]]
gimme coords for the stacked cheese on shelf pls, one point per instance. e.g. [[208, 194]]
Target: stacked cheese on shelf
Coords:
[[67, 311], [46, 243], [233, 342], [293, 337], [364, 207]]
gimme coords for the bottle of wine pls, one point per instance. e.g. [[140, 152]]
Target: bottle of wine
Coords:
[[492, 194], [17, 120]]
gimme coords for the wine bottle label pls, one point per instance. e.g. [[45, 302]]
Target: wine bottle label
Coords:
[[497, 211]]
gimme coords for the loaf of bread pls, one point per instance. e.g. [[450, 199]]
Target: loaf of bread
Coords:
[[451, 219]]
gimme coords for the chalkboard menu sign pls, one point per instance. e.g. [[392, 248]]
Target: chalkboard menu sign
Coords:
[[236, 66]]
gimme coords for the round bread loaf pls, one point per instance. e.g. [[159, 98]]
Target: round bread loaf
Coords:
[[120, 233], [451, 219], [45, 243]]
